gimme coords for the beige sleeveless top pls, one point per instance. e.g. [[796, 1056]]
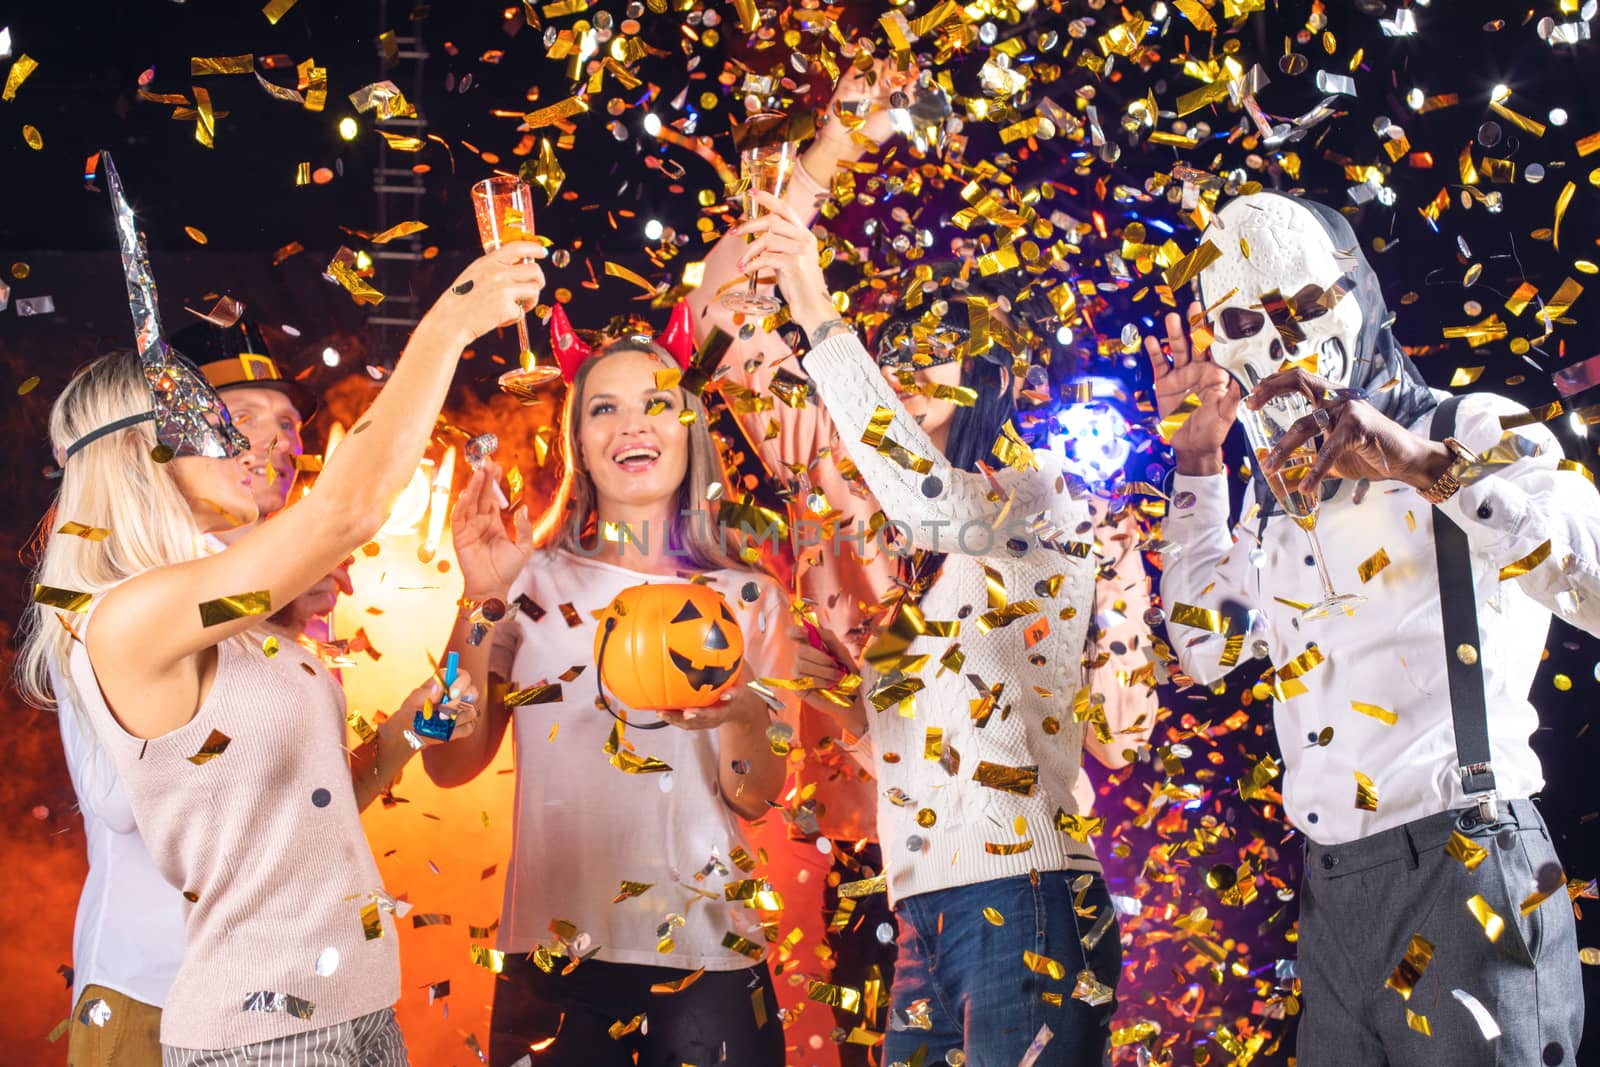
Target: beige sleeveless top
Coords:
[[248, 809]]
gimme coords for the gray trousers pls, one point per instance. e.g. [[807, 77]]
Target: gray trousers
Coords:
[[1363, 902], [371, 1041]]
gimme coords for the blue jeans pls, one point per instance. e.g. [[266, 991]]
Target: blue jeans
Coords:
[[976, 990]]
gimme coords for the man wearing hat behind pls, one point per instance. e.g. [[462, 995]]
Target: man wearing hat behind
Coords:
[[270, 408]]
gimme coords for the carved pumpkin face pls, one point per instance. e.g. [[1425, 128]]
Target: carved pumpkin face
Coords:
[[669, 646]]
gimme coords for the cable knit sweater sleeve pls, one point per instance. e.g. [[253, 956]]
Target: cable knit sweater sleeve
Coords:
[[942, 508]]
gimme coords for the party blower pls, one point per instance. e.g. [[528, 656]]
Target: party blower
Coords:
[[433, 722]]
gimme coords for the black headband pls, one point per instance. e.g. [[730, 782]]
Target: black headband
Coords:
[[110, 427]]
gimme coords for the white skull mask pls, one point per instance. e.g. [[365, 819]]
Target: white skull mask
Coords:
[[1280, 292]]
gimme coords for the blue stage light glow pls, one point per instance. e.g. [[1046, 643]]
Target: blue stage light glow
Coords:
[[1093, 436]]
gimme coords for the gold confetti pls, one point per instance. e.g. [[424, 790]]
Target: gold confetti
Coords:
[[372, 921], [64, 599], [361, 727], [1180, 415], [1183, 271], [1488, 918], [535, 695], [631, 889], [1372, 565], [835, 996], [29, 384], [994, 917], [202, 66], [1018, 780], [33, 137], [1526, 563], [866, 887], [196, 235], [1010, 848], [1079, 827], [399, 230], [88, 533], [1043, 965], [21, 67], [546, 116], [1366, 793], [492, 960], [677, 985], [1383, 715], [238, 606], [1467, 851], [1419, 1023], [215, 745], [1408, 972], [1562, 202], [276, 9], [1253, 786], [749, 949], [1200, 618], [270, 646]]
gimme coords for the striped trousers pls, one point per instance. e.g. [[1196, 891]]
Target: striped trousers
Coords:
[[370, 1041]]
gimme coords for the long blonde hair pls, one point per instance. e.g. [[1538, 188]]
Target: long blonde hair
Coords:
[[112, 484], [571, 516]]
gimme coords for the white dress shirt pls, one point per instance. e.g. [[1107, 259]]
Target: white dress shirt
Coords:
[[128, 935], [1391, 655]]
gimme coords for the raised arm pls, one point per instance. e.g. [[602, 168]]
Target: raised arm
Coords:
[[148, 631], [490, 562], [1117, 651]]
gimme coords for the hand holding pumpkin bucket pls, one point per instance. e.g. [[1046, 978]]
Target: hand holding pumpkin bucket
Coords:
[[668, 646]]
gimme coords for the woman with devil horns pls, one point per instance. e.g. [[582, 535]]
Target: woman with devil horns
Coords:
[[632, 926]]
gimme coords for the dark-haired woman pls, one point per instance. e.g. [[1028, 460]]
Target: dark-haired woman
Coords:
[[1007, 935], [632, 926]]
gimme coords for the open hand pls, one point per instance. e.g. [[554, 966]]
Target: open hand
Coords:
[[870, 90], [1185, 368], [489, 558]]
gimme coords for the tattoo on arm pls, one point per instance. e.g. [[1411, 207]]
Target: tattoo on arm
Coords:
[[828, 329]]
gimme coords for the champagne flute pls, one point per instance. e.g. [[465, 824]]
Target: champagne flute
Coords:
[[504, 209], [766, 168], [1264, 429]]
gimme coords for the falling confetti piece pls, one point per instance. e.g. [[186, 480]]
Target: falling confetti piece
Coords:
[[238, 606], [21, 67], [1467, 851], [1408, 972], [33, 137]]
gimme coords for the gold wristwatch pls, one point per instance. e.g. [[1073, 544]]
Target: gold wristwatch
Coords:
[[1449, 482]]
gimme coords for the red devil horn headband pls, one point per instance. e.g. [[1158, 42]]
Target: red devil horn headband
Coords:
[[571, 350]]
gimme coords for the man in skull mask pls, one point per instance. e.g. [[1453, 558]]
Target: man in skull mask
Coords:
[[1427, 868]]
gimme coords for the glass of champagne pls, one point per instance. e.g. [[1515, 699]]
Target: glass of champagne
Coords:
[[1263, 430], [767, 169], [504, 209]]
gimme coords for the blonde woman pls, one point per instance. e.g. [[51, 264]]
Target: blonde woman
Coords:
[[627, 871], [232, 755]]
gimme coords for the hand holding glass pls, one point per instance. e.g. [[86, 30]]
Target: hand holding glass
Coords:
[[504, 209], [766, 169], [1263, 429]]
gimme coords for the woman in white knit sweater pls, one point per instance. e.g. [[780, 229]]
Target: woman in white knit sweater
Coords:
[[975, 730]]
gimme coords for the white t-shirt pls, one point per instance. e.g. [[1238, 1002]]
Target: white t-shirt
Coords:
[[128, 935], [583, 827]]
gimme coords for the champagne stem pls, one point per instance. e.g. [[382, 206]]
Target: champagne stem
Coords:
[[753, 284], [1322, 565], [525, 352]]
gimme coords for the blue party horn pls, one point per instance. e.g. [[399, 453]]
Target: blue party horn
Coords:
[[439, 727]]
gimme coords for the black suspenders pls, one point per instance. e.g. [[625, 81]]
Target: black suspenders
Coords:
[[1462, 649]]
